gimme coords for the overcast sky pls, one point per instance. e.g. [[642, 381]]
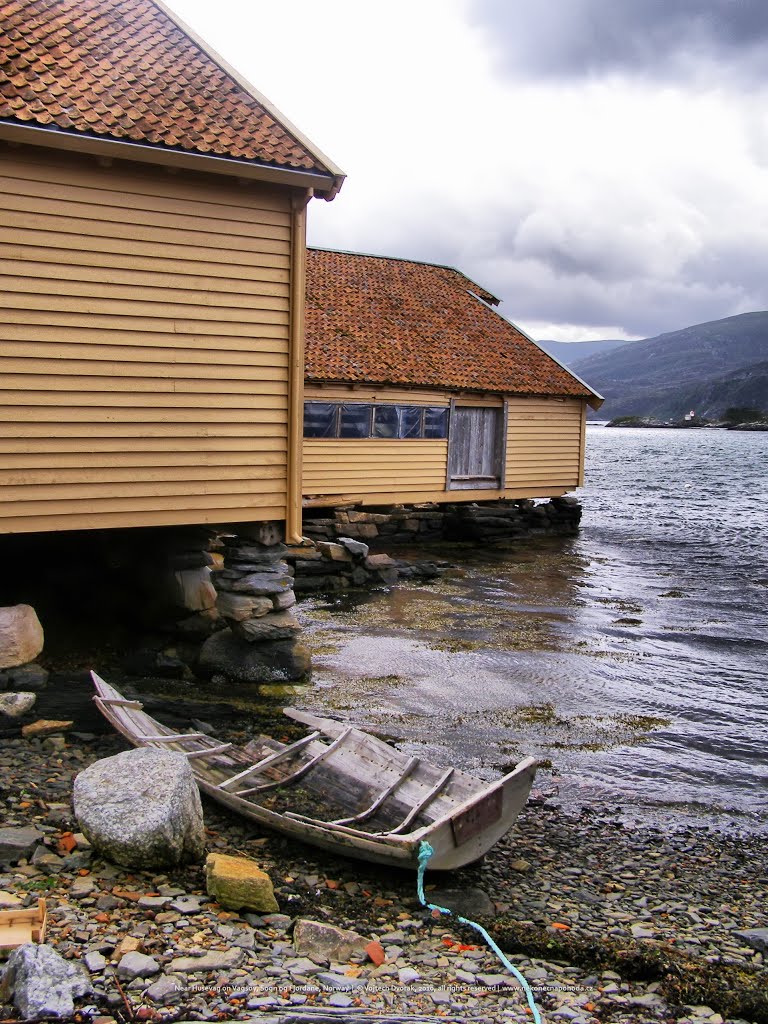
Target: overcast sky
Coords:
[[601, 165]]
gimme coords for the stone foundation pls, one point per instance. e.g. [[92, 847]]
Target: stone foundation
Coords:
[[336, 554], [470, 521]]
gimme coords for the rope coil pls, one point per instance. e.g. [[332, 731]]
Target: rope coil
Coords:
[[425, 852]]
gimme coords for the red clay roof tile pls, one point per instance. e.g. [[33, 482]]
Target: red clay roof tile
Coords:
[[152, 83], [390, 321]]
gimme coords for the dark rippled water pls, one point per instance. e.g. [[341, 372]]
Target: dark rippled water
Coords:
[[633, 657]]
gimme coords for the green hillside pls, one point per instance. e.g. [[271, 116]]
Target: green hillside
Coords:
[[705, 368]]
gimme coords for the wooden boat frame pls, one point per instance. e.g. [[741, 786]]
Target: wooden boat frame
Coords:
[[461, 816]]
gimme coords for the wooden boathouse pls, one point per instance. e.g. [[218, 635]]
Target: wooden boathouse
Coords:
[[417, 389], [152, 238]]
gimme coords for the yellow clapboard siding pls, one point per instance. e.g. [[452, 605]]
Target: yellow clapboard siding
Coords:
[[69, 207], [230, 346], [271, 396], [169, 205], [146, 451], [271, 367], [36, 272], [145, 314], [23, 220], [271, 380], [251, 433], [162, 362], [369, 393], [141, 296], [177, 270], [139, 489], [86, 475], [139, 503], [183, 328], [144, 360], [134, 517], [99, 458], [136, 181], [194, 256]]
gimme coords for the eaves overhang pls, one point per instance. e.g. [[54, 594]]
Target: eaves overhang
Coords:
[[115, 149]]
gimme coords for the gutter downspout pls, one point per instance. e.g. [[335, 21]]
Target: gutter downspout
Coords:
[[293, 519]]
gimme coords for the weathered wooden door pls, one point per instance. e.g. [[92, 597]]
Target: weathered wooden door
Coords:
[[475, 448]]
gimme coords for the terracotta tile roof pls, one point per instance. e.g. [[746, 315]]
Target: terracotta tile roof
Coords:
[[391, 321], [122, 69]]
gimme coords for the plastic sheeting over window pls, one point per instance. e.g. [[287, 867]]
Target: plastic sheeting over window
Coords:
[[358, 419]]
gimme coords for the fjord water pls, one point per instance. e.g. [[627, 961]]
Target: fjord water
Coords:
[[633, 656]]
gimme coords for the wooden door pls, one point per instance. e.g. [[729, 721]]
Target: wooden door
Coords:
[[475, 448]]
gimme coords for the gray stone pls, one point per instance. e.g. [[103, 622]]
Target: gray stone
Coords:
[[14, 705], [254, 554], [16, 843], [95, 961], [277, 661], [469, 902], [757, 938], [137, 965], [21, 635], [141, 809], [354, 547], [154, 902], [186, 904], [24, 677], [407, 975], [326, 941], [240, 607], [275, 626], [285, 600], [339, 982], [164, 990], [271, 580], [340, 1000], [81, 888], [228, 959], [42, 983]]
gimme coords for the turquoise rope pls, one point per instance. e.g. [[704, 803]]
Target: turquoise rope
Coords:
[[425, 852]]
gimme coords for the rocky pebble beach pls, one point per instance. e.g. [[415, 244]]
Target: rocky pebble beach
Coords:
[[605, 923]]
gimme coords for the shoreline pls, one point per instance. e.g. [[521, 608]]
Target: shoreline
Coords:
[[604, 920]]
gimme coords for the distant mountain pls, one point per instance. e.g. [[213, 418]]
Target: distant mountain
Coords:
[[705, 368], [571, 352]]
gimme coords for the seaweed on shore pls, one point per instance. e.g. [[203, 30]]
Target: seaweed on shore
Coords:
[[733, 990]]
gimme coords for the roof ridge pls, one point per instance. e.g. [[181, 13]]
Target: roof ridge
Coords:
[[405, 259]]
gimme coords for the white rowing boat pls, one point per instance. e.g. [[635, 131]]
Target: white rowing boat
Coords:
[[341, 788]]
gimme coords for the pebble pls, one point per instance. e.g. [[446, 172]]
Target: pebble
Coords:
[[705, 891]]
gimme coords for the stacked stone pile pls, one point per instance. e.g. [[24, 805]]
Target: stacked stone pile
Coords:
[[255, 597], [332, 566], [473, 521], [175, 565]]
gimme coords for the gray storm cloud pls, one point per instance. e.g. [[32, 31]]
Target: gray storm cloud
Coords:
[[673, 38]]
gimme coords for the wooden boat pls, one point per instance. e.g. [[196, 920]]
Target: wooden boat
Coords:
[[340, 788]]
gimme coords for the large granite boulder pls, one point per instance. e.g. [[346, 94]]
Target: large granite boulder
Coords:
[[21, 635], [278, 661], [141, 809], [42, 983]]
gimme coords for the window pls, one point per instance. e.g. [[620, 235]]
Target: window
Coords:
[[386, 421], [358, 419], [435, 423], [355, 421], [320, 419]]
